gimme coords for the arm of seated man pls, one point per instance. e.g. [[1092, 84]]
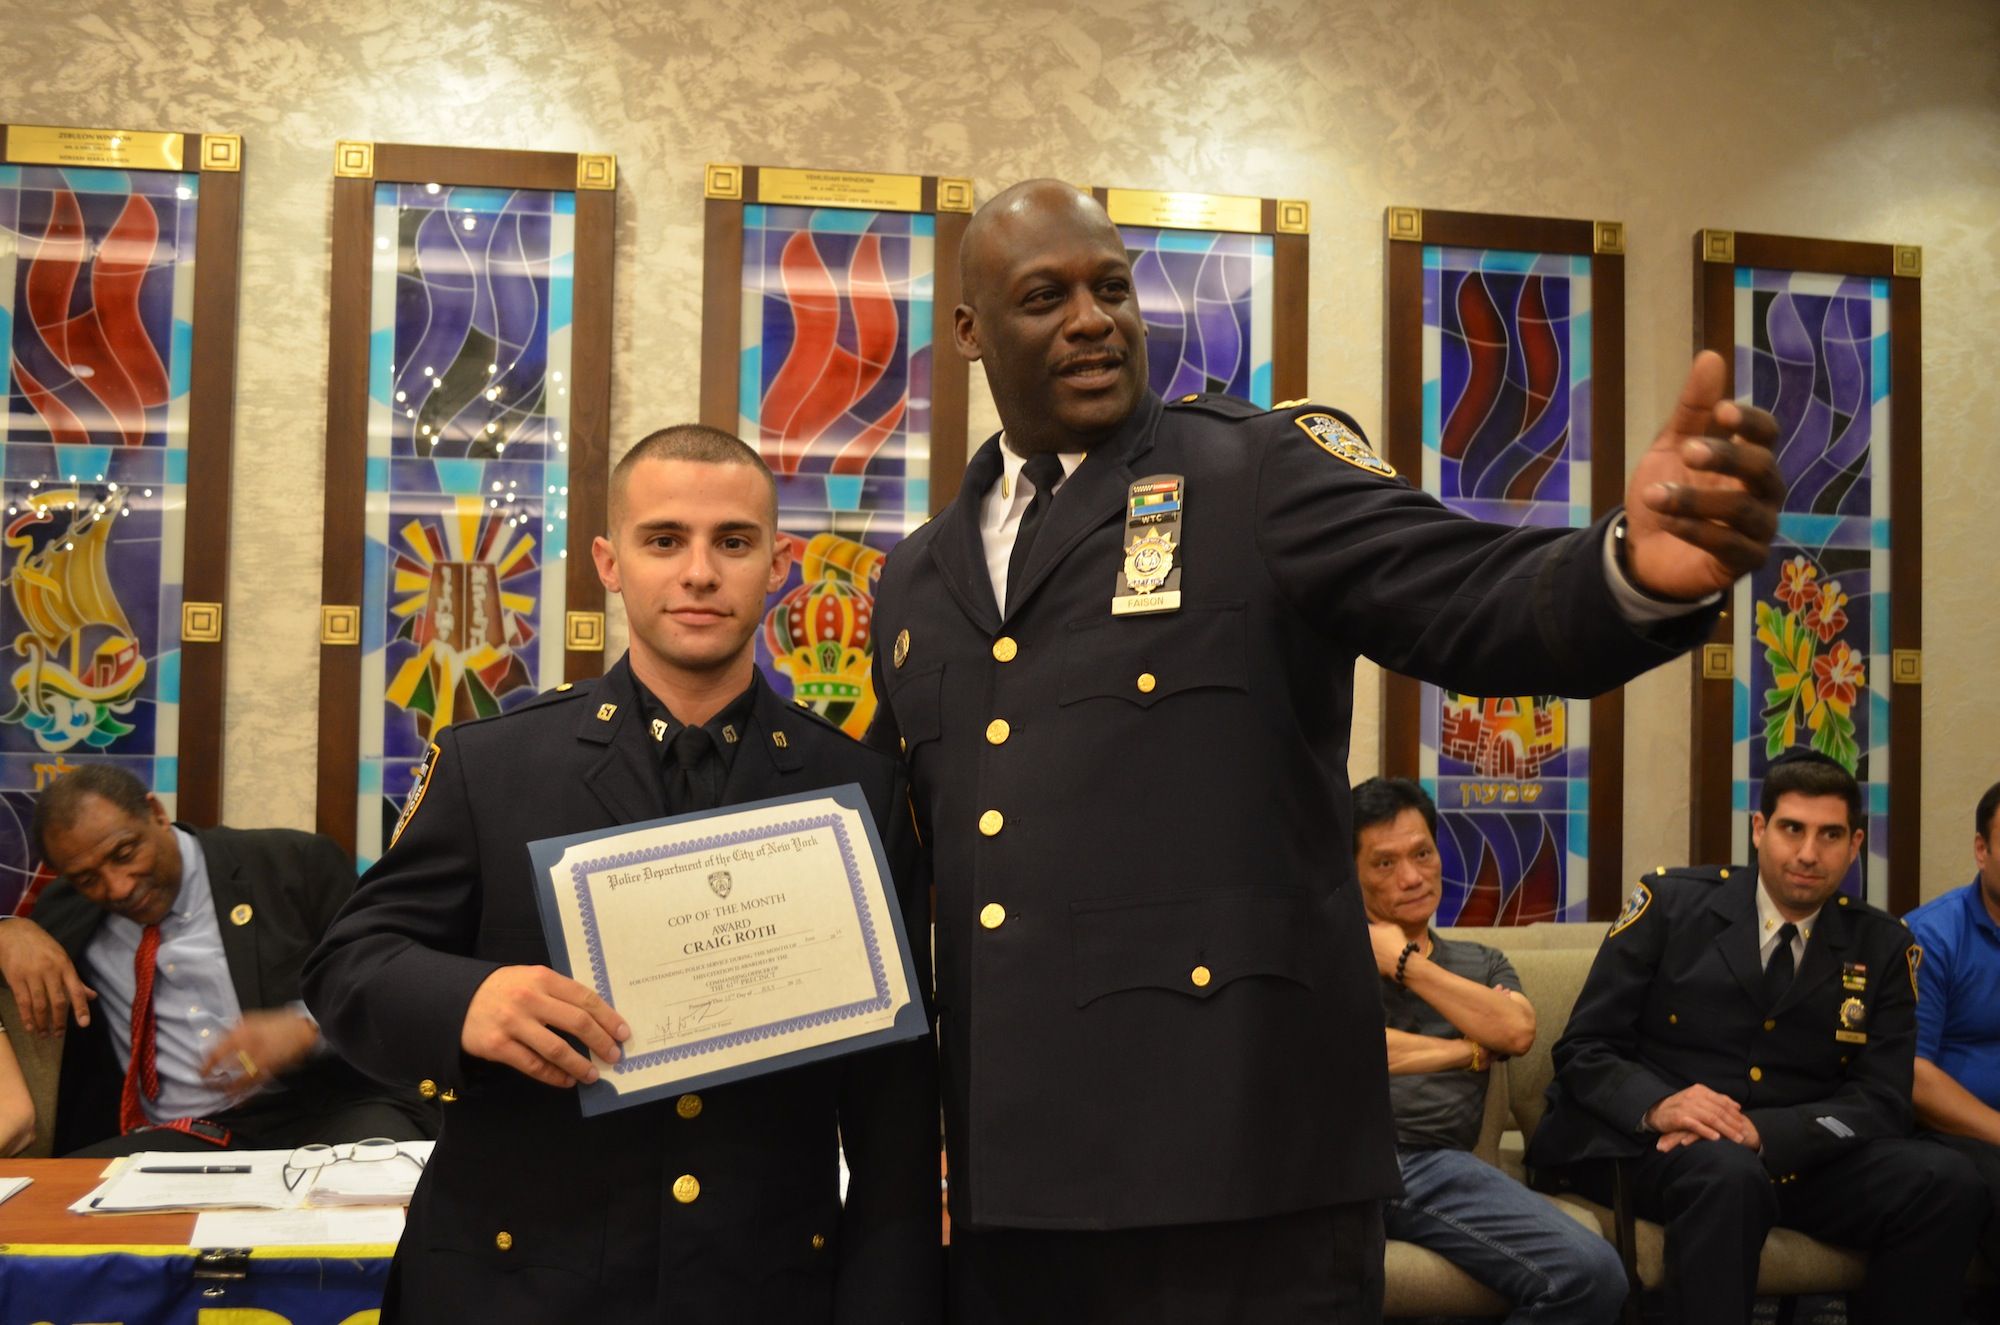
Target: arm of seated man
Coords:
[[1413, 1055], [1945, 1106], [1498, 1018], [43, 980], [267, 1043]]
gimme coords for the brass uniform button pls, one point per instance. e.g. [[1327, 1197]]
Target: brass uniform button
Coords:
[[504, 1240], [1842, 899], [997, 732], [1673, 1019], [1770, 1025], [819, 1242], [1725, 871], [903, 743], [448, 1095], [565, 687], [1201, 976], [1005, 648], [427, 1088], [1147, 681], [992, 915], [991, 822], [686, 1188], [1756, 1074], [688, 1106]]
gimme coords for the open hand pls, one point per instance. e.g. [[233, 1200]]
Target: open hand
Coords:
[[1706, 1114], [263, 1045], [1701, 509], [42, 978]]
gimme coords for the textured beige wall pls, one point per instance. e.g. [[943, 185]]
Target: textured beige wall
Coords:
[[1823, 117]]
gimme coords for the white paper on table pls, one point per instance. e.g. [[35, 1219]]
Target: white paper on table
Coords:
[[9, 1186], [370, 1182], [131, 1189], [370, 1226]]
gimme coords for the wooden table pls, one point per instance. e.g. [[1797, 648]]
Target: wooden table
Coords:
[[40, 1215]]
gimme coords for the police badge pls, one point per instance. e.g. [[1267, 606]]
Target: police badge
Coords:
[[1149, 581], [1853, 1014], [720, 883]]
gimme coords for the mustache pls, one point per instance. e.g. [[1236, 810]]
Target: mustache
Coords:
[[1102, 355]]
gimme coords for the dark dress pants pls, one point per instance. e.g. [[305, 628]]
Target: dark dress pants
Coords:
[[285, 1120], [1915, 1209], [1322, 1267], [1985, 1161]]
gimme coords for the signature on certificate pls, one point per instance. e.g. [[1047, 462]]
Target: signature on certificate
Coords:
[[699, 1015]]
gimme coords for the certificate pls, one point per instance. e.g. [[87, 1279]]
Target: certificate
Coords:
[[733, 942]]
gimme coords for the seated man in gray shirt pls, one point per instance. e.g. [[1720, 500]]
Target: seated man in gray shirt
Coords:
[[1450, 1007]]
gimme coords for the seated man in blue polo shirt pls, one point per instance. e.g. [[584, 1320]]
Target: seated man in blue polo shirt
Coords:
[[1957, 1091], [1451, 1006]]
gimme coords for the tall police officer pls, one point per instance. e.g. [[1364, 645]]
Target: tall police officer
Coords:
[[1744, 1045], [1119, 667], [718, 1207]]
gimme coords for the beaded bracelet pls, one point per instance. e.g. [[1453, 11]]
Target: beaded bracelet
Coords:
[[1409, 950]]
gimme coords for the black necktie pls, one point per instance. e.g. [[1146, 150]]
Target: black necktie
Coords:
[[1778, 972], [691, 779], [1044, 470]]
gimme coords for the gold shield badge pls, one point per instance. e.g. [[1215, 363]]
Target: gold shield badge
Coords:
[[1149, 559]]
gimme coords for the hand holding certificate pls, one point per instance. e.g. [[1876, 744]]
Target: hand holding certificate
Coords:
[[733, 943]]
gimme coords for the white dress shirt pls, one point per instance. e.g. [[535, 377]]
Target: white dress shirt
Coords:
[[1769, 919]]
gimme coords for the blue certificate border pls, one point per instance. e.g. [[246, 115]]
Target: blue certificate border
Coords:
[[601, 1096]]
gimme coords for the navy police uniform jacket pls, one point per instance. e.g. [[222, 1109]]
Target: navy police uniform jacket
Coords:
[[1156, 995], [1676, 997], [529, 1211]]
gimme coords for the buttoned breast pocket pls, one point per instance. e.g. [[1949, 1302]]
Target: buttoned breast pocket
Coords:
[[1145, 660], [1192, 944], [917, 701]]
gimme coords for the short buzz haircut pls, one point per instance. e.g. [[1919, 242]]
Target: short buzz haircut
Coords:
[[1809, 773], [696, 442], [1983, 816], [60, 803], [1383, 800]]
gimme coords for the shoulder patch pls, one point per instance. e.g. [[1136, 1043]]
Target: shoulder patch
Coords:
[[1337, 439], [1915, 952], [1635, 906], [418, 786]]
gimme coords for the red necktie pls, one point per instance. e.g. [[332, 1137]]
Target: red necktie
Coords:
[[142, 1073]]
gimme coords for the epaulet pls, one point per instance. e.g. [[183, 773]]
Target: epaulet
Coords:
[[1861, 906], [567, 690], [806, 710], [1221, 406], [1710, 874]]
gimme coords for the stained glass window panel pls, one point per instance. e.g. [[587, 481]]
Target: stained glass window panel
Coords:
[[1812, 626], [467, 474], [1207, 302], [96, 312], [1506, 436], [835, 384]]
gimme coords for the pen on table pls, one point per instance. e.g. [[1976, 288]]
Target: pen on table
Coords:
[[196, 1168]]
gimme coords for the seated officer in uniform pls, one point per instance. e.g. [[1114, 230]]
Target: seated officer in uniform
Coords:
[[1743, 1047], [192, 940], [719, 1207], [1452, 1007], [1958, 1014]]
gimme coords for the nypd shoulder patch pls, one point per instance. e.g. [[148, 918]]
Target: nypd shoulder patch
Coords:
[[1341, 442], [1635, 906], [418, 786], [1915, 953]]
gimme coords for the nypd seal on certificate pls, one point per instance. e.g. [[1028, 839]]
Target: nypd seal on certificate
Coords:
[[734, 942]]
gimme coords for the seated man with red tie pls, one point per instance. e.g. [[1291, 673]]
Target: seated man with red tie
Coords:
[[191, 942]]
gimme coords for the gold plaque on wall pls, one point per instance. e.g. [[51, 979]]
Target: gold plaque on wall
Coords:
[[352, 160], [840, 188], [222, 151], [118, 149], [583, 631], [339, 623], [201, 623], [1185, 211]]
